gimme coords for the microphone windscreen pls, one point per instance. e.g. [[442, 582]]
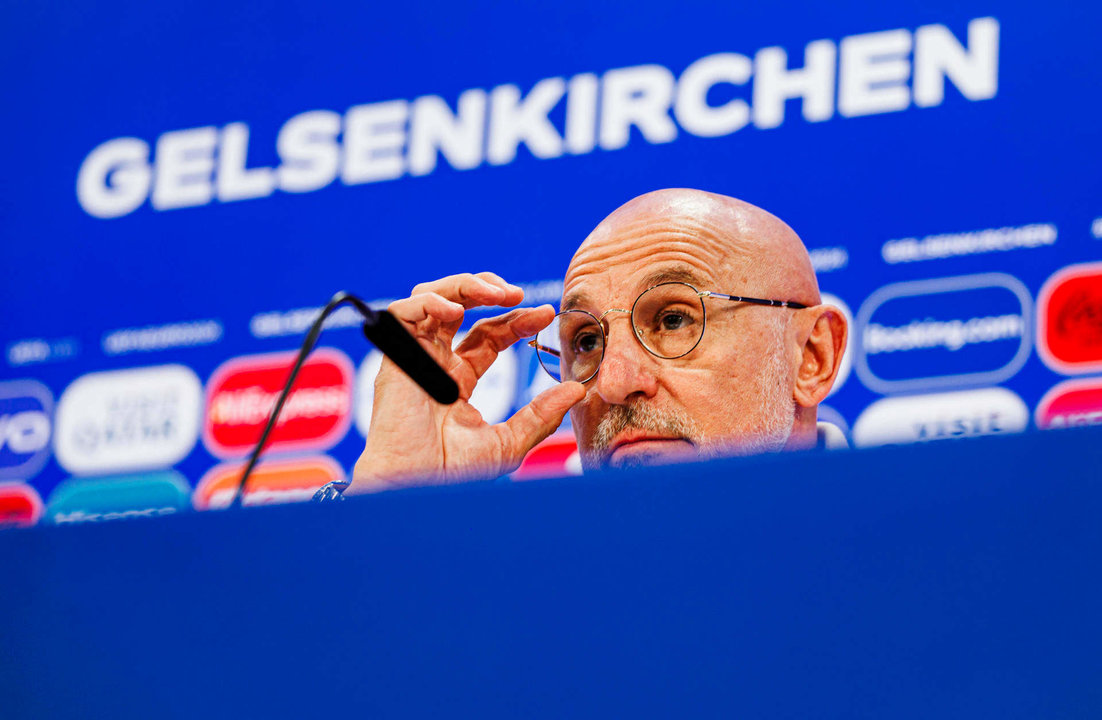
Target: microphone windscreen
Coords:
[[388, 334]]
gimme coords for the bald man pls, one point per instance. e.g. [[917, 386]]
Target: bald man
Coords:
[[766, 351]]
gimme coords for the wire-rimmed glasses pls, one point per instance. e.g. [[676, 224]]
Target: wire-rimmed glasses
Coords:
[[668, 320]]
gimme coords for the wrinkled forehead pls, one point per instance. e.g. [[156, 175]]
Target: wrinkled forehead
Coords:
[[625, 256], [587, 296]]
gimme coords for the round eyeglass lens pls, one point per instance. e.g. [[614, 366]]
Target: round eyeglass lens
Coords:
[[669, 319], [571, 347]]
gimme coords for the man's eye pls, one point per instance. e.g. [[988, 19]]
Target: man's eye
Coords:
[[672, 320], [586, 343]]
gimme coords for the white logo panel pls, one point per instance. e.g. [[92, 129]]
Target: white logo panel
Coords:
[[940, 416], [124, 420]]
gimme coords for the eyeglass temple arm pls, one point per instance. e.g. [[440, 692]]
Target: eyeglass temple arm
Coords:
[[544, 348], [756, 301]]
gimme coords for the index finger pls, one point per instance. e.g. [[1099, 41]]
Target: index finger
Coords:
[[471, 290], [488, 338]]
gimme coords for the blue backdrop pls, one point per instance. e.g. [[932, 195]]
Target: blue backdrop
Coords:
[[183, 178]]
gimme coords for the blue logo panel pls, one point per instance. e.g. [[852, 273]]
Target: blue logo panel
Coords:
[[943, 332], [26, 416], [118, 497]]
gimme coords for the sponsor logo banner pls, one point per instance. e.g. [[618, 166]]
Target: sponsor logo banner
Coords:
[[941, 416], [32, 351], [1073, 403], [125, 420], [557, 456], [1069, 320], [936, 247], [20, 505], [272, 482], [243, 391], [940, 333], [117, 498], [25, 410]]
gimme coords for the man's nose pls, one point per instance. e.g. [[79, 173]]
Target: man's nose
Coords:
[[627, 369]]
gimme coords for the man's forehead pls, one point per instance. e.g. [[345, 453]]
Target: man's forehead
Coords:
[[693, 236], [655, 275], [672, 273], [630, 257]]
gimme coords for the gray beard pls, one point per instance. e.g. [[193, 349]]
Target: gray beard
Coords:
[[772, 386], [644, 416]]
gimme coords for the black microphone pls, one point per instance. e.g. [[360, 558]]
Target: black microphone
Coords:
[[387, 334], [381, 328]]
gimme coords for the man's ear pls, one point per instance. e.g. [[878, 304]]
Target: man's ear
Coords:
[[821, 355]]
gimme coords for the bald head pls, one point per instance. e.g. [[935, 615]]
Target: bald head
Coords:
[[755, 377], [756, 249]]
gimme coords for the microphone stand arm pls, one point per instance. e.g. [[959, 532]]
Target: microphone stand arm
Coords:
[[371, 319]]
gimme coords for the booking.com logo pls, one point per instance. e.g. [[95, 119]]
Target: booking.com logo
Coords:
[[945, 332]]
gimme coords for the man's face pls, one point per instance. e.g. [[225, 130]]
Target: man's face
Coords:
[[732, 393]]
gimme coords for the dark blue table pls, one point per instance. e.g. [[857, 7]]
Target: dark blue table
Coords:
[[959, 579]]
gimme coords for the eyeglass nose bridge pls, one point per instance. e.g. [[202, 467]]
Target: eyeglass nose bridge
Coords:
[[606, 330], [601, 319]]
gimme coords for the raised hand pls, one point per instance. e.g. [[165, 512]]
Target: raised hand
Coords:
[[412, 439]]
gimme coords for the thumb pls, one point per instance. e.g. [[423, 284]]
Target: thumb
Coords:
[[536, 420]]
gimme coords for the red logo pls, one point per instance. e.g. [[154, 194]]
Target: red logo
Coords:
[[1069, 319], [1071, 404], [278, 481], [242, 392], [557, 456], [20, 505]]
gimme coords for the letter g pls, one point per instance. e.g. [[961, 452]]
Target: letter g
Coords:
[[115, 177]]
